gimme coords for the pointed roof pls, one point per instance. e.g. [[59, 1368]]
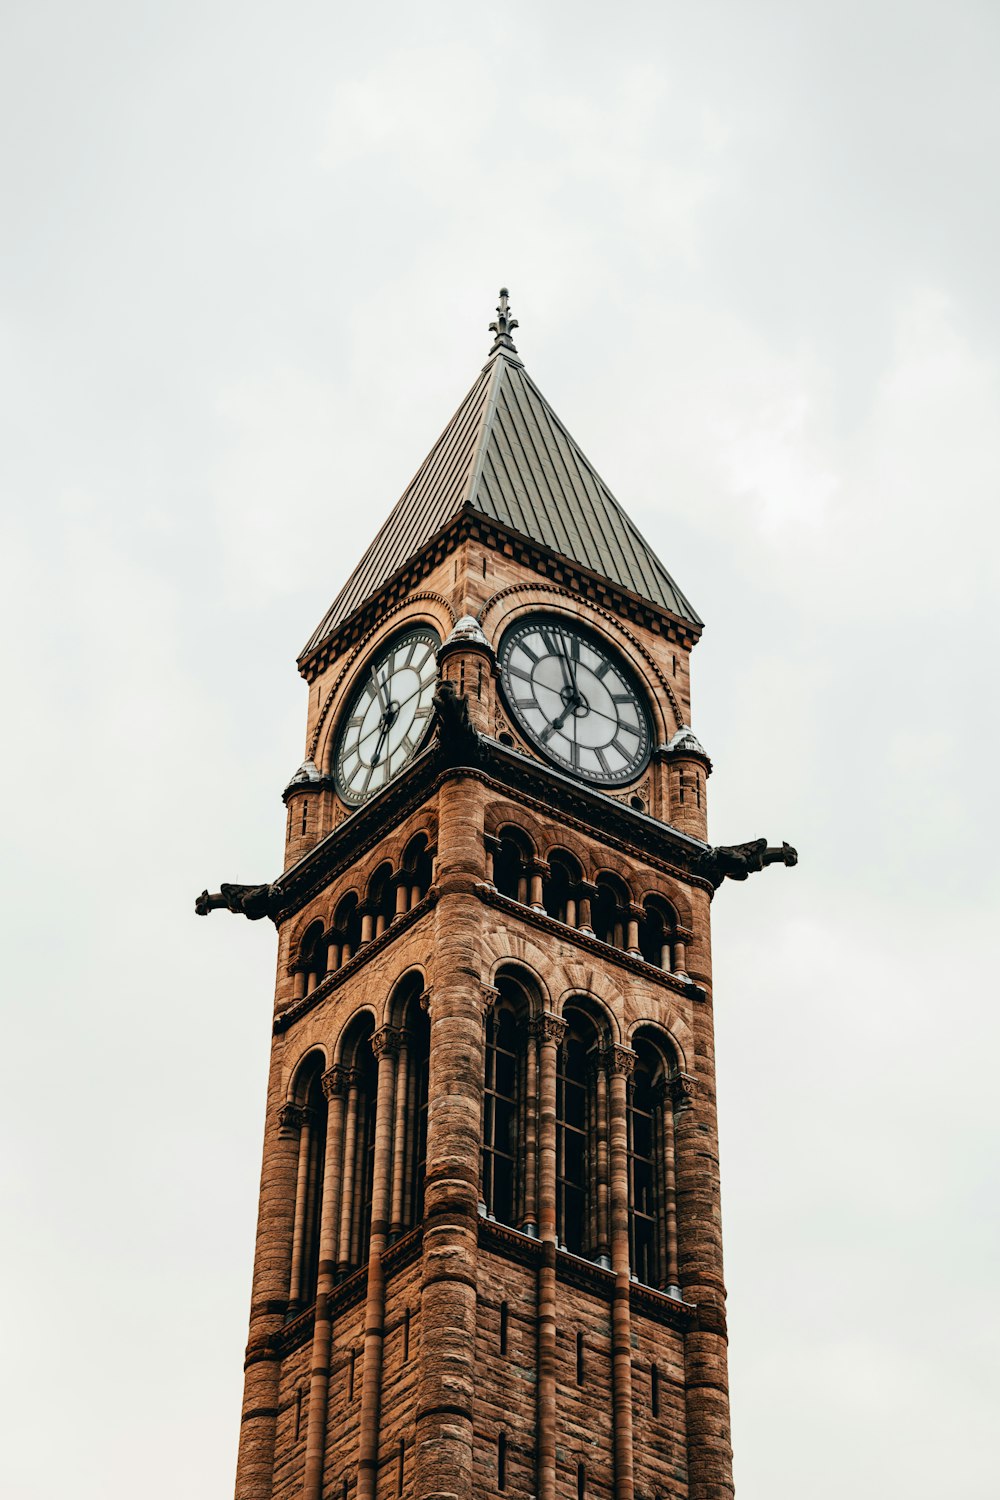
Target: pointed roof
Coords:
[[506, 456]]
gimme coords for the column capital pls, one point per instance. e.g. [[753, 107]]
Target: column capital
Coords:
[[290, 1117], [490, 995], [386, 1039], [551, 1028], [620, 1060], [684, 1088], [335, 1080]]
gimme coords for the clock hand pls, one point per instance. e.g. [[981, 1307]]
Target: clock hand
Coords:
[[380, 742], [550, 729], [383, 691]]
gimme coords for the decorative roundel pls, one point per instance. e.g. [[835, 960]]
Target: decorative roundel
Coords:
[[576, 699], [388, 717]]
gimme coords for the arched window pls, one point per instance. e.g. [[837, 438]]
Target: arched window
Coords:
[[360, 1102], [582, 1222], [561, 887], [652, 1170], [510, 1107], [418, 869], [409, 1143], [312, 956], [511, 864], [346, 929], [309, 1112], [657, 933], [380, 904], [609, 910]]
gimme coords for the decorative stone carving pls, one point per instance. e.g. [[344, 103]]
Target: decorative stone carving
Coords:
[[386, 1039], [290, 1117], [490, 994], [737, 861], [456, 733], [620, 1060], [335, 1080], [551, 1028], [253, 901], [683, 1086]]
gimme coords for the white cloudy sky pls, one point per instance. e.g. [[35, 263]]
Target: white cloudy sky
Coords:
[[250, 252]]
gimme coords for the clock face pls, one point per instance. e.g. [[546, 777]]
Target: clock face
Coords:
[[576, 699], [386, 720]]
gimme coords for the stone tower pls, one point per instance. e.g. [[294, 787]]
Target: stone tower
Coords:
[[489, 1253]]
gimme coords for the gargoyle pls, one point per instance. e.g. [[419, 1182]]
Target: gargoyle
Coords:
[[737, 861], [253, 901], [456, 730]]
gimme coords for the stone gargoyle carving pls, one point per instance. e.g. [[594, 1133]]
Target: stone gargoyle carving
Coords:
[[737, 861], [455, 728], [253, 901]]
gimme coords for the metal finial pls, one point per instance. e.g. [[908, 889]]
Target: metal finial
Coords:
[[503, 325]]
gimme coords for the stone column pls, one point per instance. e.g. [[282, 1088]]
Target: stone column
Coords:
[[621, 1062], [385, 1045], [301, 1204], [334, 1080], [529, 1155], [587, 894], [401, 880], [399, 1134], [443, 1434], [634, 915], [347, 1188], [255, 1467], [537, 871], [602, 1248], [669, 1208], [551, 1030]]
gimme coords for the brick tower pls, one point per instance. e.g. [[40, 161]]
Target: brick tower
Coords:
[[489, 1255]]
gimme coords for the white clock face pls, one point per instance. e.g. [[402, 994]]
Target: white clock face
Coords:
[[576, 699], [388, 717]]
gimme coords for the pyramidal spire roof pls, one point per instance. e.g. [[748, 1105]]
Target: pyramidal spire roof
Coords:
[[506, 456]]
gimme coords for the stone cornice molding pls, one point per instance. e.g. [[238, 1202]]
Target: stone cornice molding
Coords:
[[398, 592], [520, 778]]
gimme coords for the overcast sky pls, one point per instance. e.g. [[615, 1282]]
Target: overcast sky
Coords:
[[249, 256]]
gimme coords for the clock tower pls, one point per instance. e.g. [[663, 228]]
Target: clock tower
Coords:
[[489, 1252]]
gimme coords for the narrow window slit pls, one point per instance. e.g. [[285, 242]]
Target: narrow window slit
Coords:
[[502, 1461], [504, 1317], [654, 1391], [579, 1359], [406, 1335], [400, 1465]]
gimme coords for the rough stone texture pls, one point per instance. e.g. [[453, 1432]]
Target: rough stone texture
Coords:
[[450, 1399]]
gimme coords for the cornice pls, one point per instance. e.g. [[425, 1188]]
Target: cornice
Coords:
[[514, 774], [492, 897], [548, 565]]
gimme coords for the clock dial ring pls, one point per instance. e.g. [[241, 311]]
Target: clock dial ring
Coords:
[[576, 699], [388, 715]]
